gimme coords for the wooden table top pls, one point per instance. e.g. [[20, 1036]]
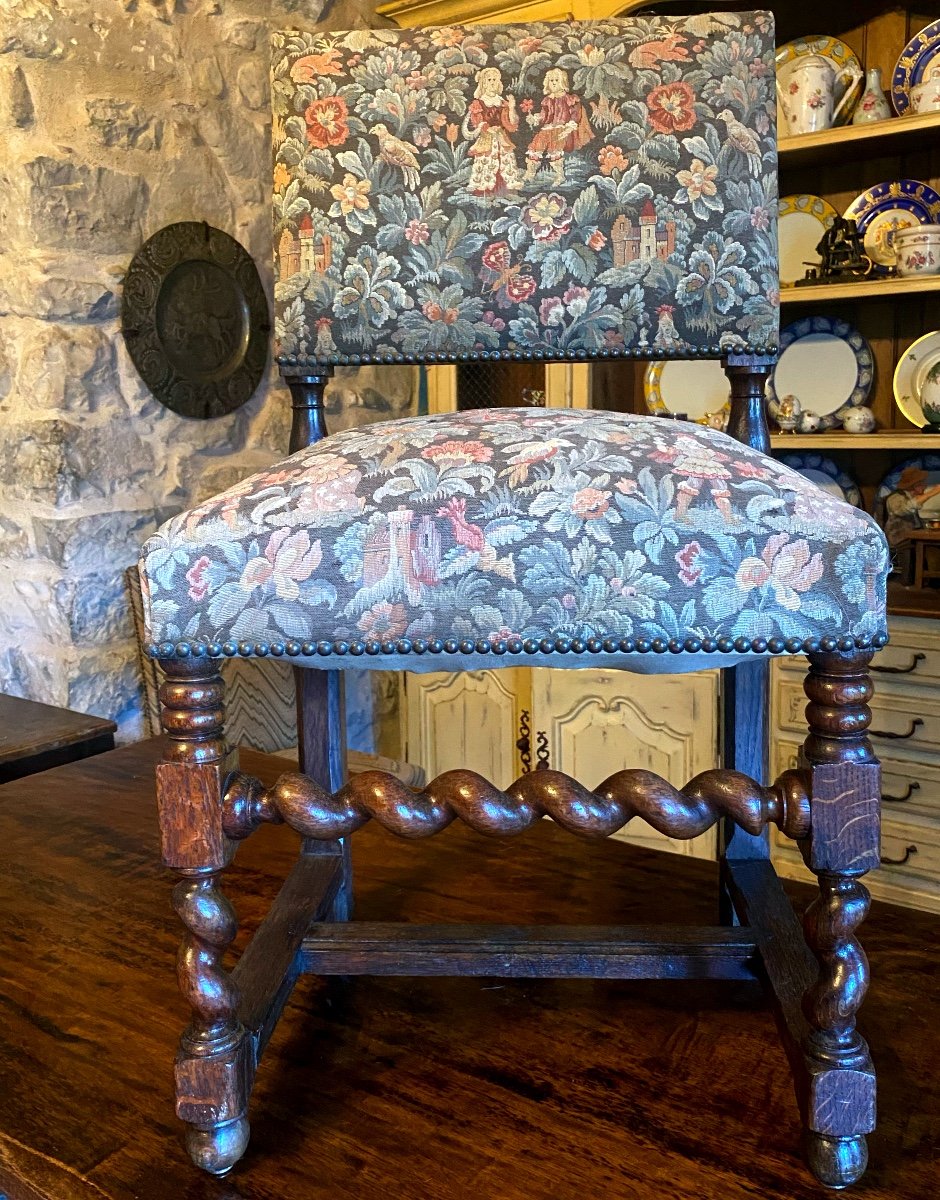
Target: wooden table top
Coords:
[[427, 1089], [924, 535], [28, 728]]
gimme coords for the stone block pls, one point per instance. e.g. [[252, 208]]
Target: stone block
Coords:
[[244, 34], [121, 124], [32, 461], [20, 101], [73, 206], [51, 294], [99, 611], [14, 538], [34, 608], [252, 80], [100, 542], [101, 463], [107, 683], [70, 369], [36, 674], [208, 77]]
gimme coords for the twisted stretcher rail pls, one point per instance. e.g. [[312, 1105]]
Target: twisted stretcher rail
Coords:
[[316, 813]]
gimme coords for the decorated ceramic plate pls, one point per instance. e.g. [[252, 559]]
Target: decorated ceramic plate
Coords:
[[827, 474], [917, 362], [841, 56], [888, 207], [909, 497], [698, 389], [803, 221], [826, 364], [919, 63]]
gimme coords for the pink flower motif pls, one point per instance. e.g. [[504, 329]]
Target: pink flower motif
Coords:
[[289, 560], [590, 503], [597, 241], [576, 299], [569, 601], [196, 578], [687, 558], [611, 158], [760, 217], [548, 216], [526, 105], [552, 311], [613, 339], [384, 620], [497, 257], [497, 323], [417, 232], [789, 568], [749, 470], [520, 288], [458, 454], [422, 136], [671, 107]]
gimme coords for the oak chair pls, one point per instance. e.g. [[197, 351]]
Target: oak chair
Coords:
[[561, 192]]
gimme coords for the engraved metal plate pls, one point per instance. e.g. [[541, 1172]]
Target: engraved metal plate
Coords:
[[195, 319]]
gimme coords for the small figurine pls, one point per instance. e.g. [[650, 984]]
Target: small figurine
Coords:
[[859, 420], [786, 412], [810, 422]]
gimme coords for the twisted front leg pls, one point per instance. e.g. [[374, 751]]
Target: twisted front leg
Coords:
[[842, 846], [213, 1063]]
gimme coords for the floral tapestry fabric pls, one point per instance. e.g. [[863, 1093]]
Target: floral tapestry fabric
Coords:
[[553, 189], [504, 526]]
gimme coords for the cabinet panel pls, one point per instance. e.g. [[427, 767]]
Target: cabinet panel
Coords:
[[599, 722], [466, 720]]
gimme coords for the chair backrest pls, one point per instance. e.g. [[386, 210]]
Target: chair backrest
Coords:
[[558, 191]]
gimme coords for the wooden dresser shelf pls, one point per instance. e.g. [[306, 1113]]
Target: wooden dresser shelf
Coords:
[[863, 289], [899, 135], [884, 439]]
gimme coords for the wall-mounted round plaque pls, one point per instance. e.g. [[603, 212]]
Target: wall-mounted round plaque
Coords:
[[195, 319]]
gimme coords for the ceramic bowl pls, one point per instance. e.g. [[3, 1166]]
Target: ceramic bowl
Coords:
[[925, 97], [917, 250]]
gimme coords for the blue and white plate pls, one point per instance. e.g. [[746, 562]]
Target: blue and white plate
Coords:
[[826, 474], [919, 61], [826, 364], [909, 497], [884, 209]]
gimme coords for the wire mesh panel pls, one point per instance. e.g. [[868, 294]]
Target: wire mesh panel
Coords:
[[500, 385]]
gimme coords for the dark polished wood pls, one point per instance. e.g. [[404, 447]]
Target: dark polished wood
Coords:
[[747, 420], [215, 1061], [35, 737], [315, 813], [438, 1089], [843, 845]]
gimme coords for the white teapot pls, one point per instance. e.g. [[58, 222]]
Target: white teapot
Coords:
[[806, 89]]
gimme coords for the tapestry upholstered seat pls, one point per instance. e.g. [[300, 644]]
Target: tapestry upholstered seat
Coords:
[[557, 192], [438, 540]]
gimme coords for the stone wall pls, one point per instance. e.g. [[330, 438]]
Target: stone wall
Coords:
[[118, 117]]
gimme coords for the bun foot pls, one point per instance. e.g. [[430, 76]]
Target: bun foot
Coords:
[[836, 1162], [218, 1149]]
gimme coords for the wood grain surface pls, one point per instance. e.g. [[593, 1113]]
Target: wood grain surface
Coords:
[[34, 737], [416, 1089]]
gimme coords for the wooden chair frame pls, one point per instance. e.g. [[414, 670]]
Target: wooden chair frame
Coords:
[[816, 976]]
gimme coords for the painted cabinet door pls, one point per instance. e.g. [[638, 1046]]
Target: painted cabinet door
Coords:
[[599, 722], [468, 720]]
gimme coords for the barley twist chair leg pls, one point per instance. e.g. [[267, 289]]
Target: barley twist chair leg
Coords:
[[213, 1064], [843, 845]]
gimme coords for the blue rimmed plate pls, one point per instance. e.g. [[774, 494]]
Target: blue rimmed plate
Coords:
[[827, 474], [884, 209], [826, 364], [919, 62], [909, 497]]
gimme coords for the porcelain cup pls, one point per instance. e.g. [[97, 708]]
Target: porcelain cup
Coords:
[[925, 97], [917, 250]]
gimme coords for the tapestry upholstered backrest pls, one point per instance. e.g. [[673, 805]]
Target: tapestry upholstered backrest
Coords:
[[555, 191]]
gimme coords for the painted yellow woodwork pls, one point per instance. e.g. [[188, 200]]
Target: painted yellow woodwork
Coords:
[[599, 722], [466, 720]]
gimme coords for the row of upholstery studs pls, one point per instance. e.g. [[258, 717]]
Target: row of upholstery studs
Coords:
[[558, 645]]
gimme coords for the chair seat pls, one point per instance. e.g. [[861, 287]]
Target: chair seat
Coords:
[[479, 538]]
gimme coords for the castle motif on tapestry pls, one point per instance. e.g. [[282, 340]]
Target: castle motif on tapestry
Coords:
[[567, 189]]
